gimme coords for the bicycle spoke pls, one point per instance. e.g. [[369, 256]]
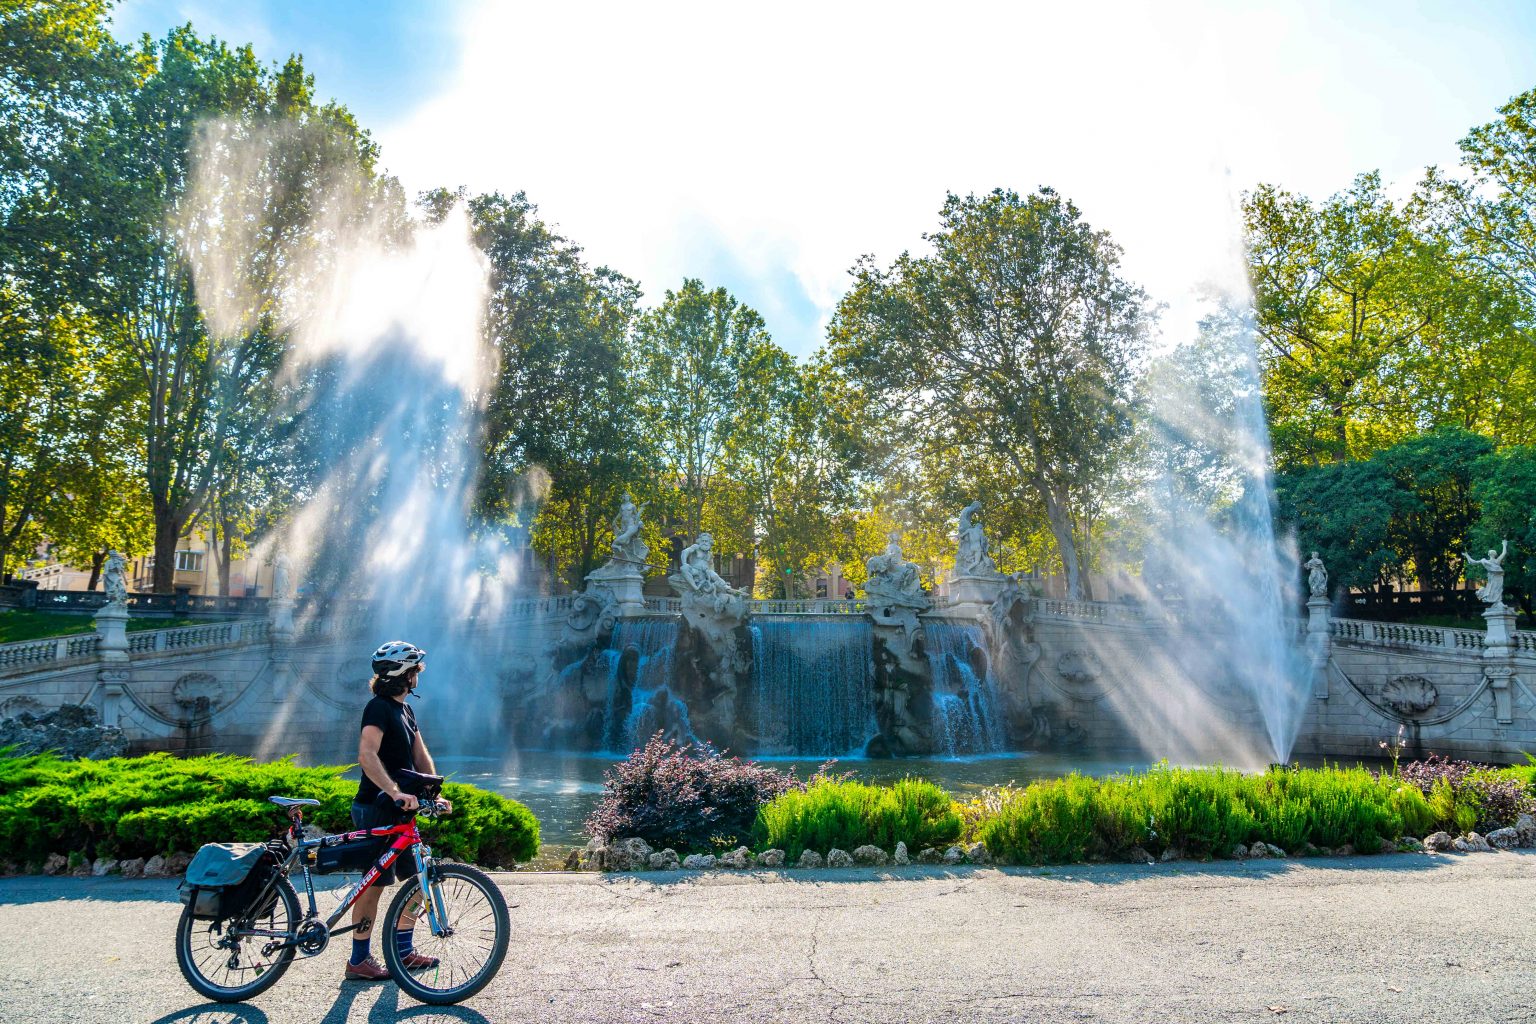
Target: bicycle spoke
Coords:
[[466, 953]]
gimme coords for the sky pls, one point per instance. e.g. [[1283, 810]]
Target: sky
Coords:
[[766, 148]]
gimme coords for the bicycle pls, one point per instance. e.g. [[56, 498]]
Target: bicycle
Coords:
[[239, 941]]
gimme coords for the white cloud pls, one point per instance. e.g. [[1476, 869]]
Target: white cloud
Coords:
[[767, 147]]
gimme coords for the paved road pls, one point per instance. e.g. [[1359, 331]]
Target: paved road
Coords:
[[1382, 939]]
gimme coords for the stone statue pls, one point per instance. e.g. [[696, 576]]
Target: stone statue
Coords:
[[894, 580], [1492, 592], [971, 555], [1317, 576], [627, 544], [115, 578], [282, 576], [698, 572]]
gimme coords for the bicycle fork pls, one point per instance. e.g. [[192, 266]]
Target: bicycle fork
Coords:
[[431, 892]]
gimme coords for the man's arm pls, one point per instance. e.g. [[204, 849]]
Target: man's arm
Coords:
[[373, 768], [422, 757]]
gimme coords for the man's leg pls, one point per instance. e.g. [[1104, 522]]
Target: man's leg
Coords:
[[361, 965]]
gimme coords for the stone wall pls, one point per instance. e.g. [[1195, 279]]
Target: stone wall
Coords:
[[1103, 684], [265, 699], [1070, 676]]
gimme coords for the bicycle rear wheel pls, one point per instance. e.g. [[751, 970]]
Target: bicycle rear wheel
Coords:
[[471, 952], [229, 970]]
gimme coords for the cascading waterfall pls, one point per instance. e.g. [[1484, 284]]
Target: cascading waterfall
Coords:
[[640, 700], [965, 703], [813, 685]]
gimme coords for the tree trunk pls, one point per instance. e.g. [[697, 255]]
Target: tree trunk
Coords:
[[167, 532], [226, 547], [1066, 546], [98, 559]]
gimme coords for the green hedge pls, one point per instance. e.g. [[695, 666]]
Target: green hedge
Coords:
[[830, 814], [141, 806]]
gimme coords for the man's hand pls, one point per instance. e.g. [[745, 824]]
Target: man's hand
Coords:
[[445, 806], [409, 802]]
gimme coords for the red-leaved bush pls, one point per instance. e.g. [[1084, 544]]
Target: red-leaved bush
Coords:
[[689, 797]]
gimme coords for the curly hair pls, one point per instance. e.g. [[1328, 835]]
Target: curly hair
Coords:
[[393, 686]]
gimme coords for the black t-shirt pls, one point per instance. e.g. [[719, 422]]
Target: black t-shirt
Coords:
[[398, 723]]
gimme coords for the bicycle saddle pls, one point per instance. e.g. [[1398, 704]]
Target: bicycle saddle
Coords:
[[288, 801]]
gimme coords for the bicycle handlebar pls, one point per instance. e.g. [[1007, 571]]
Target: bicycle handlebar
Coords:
[[425, 808]]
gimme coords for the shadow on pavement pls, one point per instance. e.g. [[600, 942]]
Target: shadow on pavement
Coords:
[[1099, 874], [216, 1013], [386, 1009], [27, 889]]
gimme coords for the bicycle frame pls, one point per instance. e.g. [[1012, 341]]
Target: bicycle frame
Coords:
[[407, 837]]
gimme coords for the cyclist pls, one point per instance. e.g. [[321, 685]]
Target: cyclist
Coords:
[[390, 744]]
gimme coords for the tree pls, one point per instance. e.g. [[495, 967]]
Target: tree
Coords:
[[1493, 211], [790, 461], [1434, 472], [1504, 491], [562, 433], [1406, 512], [1012, 347], [59, 397], [691, 352], [1344, 511], [1373, 328], [148, 294]]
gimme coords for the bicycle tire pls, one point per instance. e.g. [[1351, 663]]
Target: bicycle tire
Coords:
[[282, 959], [502, 922]]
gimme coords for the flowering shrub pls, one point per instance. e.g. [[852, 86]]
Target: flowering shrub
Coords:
[[689, 797], [1465, 795]]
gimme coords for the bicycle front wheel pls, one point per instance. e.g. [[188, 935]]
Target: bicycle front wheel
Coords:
[[471, 950]]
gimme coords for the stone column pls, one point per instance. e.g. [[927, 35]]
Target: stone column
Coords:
[[1319, 644], [1499, 659], [112, 654], [280, 615]]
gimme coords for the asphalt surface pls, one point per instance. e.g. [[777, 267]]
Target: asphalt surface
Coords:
[[1380, 939]]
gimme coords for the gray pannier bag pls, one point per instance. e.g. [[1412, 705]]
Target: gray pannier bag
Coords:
[[216, 883]]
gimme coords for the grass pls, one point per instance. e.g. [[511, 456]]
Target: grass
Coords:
[[23, 624], [1201, 813], [837, 814]]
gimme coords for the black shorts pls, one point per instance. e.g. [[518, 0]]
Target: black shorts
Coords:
[[372, 816]]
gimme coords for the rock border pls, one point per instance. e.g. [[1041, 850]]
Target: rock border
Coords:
[[635, 855]]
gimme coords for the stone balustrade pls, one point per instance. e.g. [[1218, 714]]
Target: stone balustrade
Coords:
[[1398, 634], [809, 606]]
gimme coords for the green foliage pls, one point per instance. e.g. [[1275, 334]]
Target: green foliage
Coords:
[[1376, 325], [1007, 356], [138, 807], [845, 814], [1203, 812], [1504, 488], [1407, 510]]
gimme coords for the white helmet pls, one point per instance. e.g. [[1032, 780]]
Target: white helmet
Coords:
[[397, 657]]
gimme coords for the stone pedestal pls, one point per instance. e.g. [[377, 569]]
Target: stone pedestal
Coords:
[[1499, 659], [280, 615], [1319, 644], [115, 672], [974, 595], [625, 581]]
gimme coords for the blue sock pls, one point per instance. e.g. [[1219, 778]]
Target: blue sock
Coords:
[[403, 940], [359, 951]]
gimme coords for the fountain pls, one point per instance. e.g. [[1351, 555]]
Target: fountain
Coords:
[[967, 712], [812, 685]]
